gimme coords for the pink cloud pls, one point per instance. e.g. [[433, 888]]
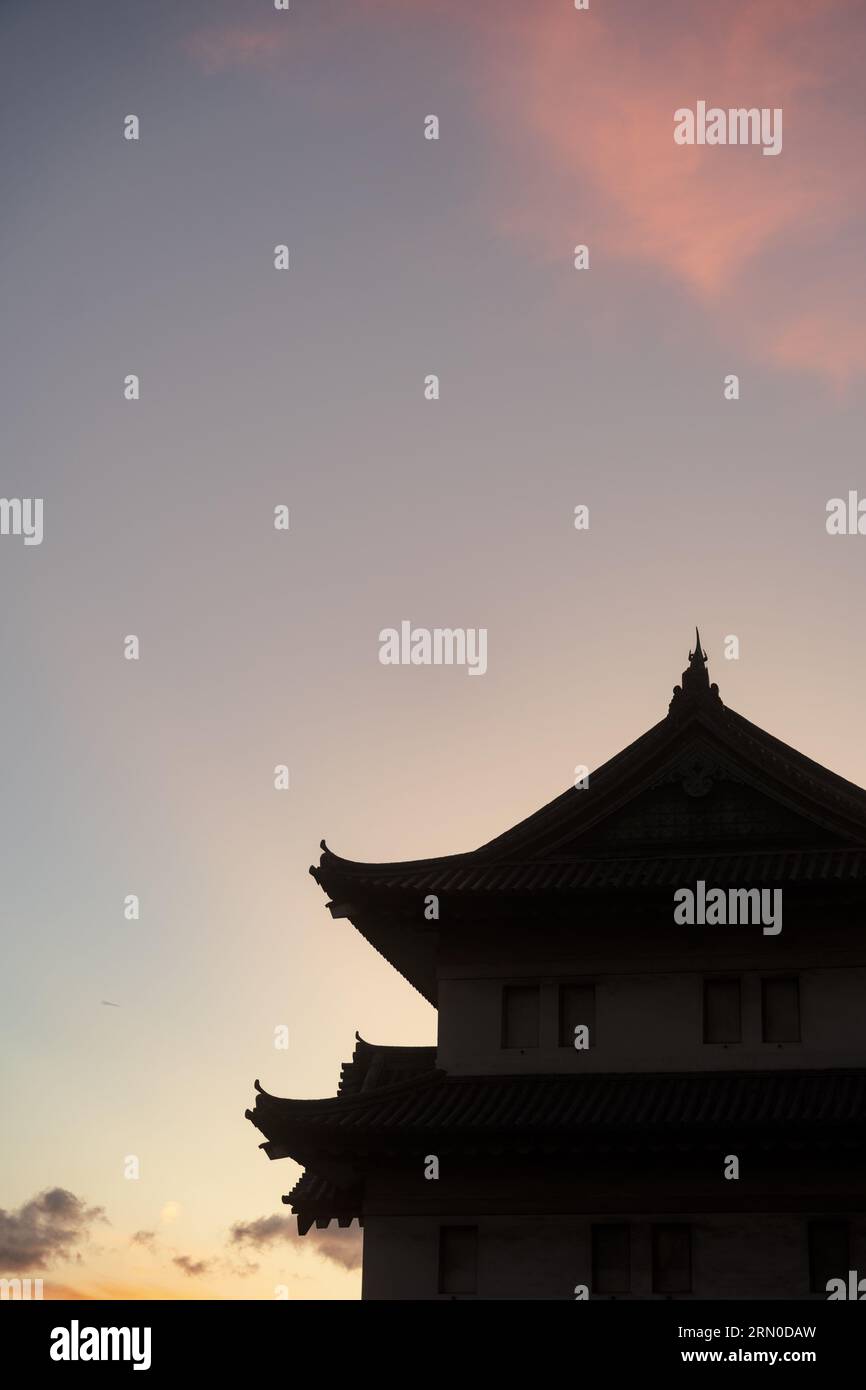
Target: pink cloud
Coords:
[[217, 47], [579, 107], [595, 160], [829, 340]]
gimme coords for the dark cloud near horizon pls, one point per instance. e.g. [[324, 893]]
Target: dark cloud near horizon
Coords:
[[145, 1238], [261, 1233], [342, 1247], [47, 1228], [194, 1268]]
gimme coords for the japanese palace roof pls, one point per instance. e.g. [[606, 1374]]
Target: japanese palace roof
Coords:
[[588, 1107], [563, 1114], [703, 794]]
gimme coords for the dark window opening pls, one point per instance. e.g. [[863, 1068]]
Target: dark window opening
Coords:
[[611, 1259], [829, 1255], [781, 1009], [722, 1011], [672, 1259], [576, 1007], [520, 1014], [458, 1259]]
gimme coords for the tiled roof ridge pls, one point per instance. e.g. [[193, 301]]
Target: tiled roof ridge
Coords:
[[362, 1098], [778, 757], [493, 1080], [370, 1060], [636, 869], [391, 1047], [801, 766], [401, 868]]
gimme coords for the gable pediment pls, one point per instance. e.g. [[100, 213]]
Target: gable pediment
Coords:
[[710, 781], [712, 810]]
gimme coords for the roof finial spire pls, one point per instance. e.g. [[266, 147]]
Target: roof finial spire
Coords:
[[698, 658], [696, 686]]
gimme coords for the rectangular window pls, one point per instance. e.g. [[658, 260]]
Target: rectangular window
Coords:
[[781, 1009], [458, 1259], [829, 1256], [576, 1009], [722, 1022], [520, 1011], [672, 1259], [611, 1259]]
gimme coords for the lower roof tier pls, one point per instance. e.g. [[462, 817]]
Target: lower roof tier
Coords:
[[588, 1109], [542, 1119]]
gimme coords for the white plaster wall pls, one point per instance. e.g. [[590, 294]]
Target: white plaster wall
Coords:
[[653, 1021]]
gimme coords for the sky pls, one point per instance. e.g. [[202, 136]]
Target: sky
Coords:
[[305, 388]]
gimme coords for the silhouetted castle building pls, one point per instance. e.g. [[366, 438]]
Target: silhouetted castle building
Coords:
[[605, 1165]]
